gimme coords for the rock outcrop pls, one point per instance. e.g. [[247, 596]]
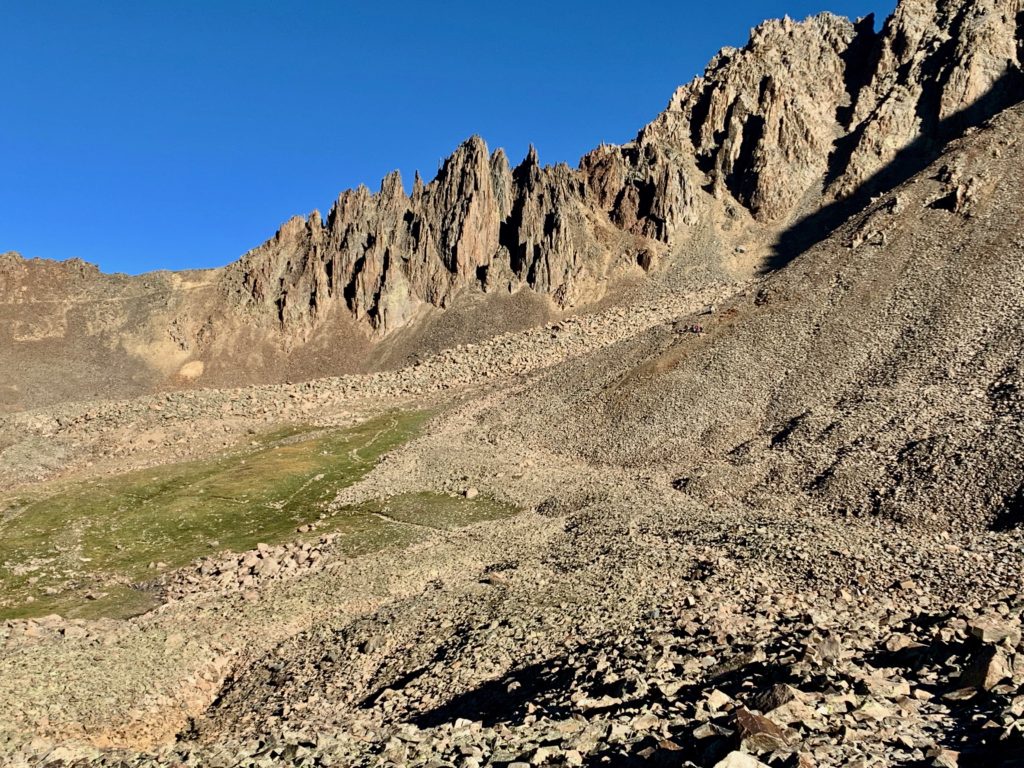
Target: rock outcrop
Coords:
[[805, 113], [380, 256], [762, 121], [938, 67]]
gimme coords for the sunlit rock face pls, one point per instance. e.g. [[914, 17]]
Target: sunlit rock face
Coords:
[[806, 108]]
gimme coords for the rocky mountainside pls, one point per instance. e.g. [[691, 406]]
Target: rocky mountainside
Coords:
[[761, 495], [774, 526], [868, 377], [775, 145], [68, 332], [804, 114]]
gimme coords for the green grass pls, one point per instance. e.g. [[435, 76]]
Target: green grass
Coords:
[[87, 543]]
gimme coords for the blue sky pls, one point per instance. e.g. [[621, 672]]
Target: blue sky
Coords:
[[144, 135]]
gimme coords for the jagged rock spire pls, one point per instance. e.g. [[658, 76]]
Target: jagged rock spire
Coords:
[[806, 109]]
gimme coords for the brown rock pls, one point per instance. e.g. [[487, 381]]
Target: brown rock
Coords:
[[740, 760], [772, 698], [718, 700], [993, 629], [986, 668], [944, 758], [757, 733]]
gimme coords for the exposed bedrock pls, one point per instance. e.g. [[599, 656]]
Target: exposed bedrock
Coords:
[[807, 112]]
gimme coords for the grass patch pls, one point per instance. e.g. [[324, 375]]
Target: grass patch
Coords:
[[78, 549]]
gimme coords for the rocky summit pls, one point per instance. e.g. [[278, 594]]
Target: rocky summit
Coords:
[[707, 452]]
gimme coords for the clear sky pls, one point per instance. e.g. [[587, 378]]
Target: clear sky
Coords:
[[144, 135]]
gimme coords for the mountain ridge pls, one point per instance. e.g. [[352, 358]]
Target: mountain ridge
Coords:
[[765, 125], [773, 145]]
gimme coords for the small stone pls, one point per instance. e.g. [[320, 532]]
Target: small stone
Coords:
[[471, 493], [944, 758], [740, 760], [708, 730], [773, 698], [370, 645], [961, 694], [898, 642], [543, 754], [717, 700], [828, 649], [872, 710], [646, 722], [986, 669], [267, 567]]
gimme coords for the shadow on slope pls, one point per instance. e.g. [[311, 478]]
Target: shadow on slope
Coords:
[[1012, 514], [573, 691], [935, 135]]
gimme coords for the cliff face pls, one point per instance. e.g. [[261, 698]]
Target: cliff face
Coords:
[[762, 121], [938, 67], [805, 113], [479, 223]]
